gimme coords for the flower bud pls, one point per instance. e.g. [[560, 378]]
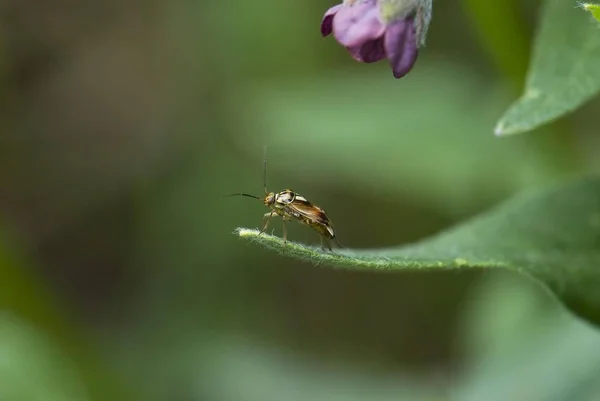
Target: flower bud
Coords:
[[375, 29]]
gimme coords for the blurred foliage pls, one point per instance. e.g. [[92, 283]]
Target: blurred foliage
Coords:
[[51, 352], [29, 358], [509, 48], [123, 124], [564, 71], [523, 350], [594, 9]]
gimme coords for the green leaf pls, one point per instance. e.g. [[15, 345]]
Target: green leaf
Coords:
[[552, 235], [564, 71], [594, 9], [522, 349]]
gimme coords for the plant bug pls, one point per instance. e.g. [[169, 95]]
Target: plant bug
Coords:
[[293, 206]]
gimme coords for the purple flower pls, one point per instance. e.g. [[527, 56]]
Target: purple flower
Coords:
[[375, 29]]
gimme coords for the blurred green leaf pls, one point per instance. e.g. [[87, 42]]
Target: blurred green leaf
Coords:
[[552, 235], [234, 369], [502, 311], [424, 138], [500, 28], [531, 351], [32, 368], [594, 9], [35, 331], [564, 71], [255, 40]]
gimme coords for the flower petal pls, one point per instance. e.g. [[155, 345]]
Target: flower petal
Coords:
[[355, 24], [369, 52], [401, 46], [327, 21]]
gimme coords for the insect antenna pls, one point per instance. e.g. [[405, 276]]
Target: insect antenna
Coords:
[[265, 170], [243, 194]]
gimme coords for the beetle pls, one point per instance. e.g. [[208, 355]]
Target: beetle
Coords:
[[290, 205]]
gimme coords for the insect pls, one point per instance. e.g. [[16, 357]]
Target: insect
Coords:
[[290, 205]]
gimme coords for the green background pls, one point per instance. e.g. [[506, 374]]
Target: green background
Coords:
[[125, 122]]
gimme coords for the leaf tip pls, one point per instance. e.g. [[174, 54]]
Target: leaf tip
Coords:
[[502, 129], [593, 9], [293, 249], [499, 129], [588, 6], [246, 232], [254, 235]]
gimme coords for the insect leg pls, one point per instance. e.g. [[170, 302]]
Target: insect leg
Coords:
[[284, 232], [325, 241], [267, 219]]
